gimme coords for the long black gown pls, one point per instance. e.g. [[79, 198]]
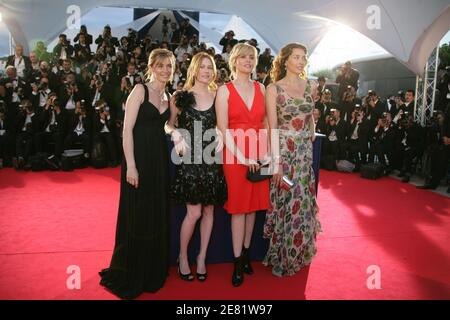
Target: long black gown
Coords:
[[140, 261]]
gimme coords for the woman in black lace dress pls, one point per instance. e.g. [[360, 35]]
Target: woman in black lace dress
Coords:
[[199, 181]]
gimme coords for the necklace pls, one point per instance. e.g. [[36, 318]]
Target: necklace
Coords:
[[160, 94]]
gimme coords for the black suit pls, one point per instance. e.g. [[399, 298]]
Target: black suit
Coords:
[[325, 108], [56, 134], [73, 137], [106, 137], [87, 36], [58, 49], [25, 134], [28, 67], [358, 148]]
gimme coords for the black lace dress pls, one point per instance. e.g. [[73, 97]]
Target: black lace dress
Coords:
[[196, 180]]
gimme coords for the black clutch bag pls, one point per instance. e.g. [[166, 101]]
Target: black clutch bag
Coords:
[[258, 176]]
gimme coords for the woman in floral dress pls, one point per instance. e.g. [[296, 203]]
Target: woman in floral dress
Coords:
[[292, 222]]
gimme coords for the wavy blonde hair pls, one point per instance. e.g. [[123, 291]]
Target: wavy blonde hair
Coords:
[[278, 70], [194, 68], [156, 56], [240, 50]]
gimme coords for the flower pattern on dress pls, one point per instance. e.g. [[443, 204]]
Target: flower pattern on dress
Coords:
[[292, 223]]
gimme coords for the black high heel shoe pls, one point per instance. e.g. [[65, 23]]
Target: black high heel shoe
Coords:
[[238, 276], [201, 276], [246, 266], [186, 277]]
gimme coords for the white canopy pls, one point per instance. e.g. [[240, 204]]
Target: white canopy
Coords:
[[409, 29]]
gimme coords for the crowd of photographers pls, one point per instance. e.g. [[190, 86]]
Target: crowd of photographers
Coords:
[[74, 98], [383, 131]]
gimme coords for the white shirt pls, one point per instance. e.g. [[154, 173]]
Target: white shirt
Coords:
[[51, 122], [43, 97], [63, 55], [105, 128], [79, 129], [15, 96], [70, 104], [27, 121], [355, 132], [19, 64], [181, 50], [2, 130], [96, 97]]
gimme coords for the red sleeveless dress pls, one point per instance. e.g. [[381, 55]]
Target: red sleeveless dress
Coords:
[[247, 128]]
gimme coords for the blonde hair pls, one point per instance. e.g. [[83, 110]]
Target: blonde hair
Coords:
[[278, 70], [156, 56], [194, 68], [238, 51]]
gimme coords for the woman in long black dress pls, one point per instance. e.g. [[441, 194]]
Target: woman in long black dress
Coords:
[[199, 181], [140, 260]]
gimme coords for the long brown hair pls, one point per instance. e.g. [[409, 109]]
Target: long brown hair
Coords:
[[278, 71]]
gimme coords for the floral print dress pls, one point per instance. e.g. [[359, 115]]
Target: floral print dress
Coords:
[[292, 222]]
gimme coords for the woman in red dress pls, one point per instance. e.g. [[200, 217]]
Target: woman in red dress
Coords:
[[241, 120]]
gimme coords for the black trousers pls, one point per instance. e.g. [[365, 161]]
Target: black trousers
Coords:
[[108, 139], [6, 146], [43, 139], [24, 144], [73, 138]]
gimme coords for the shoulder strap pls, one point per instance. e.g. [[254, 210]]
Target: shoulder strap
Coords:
[[146, 93]]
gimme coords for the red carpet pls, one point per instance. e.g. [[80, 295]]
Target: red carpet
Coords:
[[52, 220]]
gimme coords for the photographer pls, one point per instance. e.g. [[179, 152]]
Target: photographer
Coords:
[[375, 108], [408, 145], [104, 128], [70, 95], [52, 128], [13, 90], [82, 50], [40, 92], [106, 38], [347, 76], [20, 62], [79, 130], [382, 141], [64, 71], [132, 78], [349, 103], [228, 39], [27, 124], [358, 138], [63, 50], [183, 48], [436, 145], [96, 91], [336, 131], [87, 36], [325, 104], [319, 122]]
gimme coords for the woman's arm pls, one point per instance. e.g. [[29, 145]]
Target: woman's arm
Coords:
[[272, 119], [133, 103]]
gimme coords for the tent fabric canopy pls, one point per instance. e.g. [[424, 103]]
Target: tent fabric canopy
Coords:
[[409, 29]]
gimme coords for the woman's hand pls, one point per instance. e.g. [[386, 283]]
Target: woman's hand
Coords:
[[277, 175], [133, 177], [180, 144], [253, 165]]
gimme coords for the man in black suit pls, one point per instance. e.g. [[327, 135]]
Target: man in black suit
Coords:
[[319, 122], [358, 138], [13, 89], [228, 39], [79, 130], [336, 132], [408, 145], [53, 127], [83, 31], [20, 62], [107, 38], [26, 124], [63, 50], [104, 129], [325, 104], [6, 140], [82, 50], [347, 76]]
